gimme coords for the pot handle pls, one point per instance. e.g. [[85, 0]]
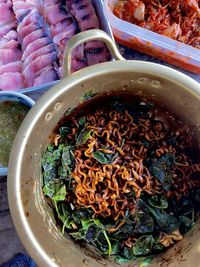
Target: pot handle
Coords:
[[84, 37]]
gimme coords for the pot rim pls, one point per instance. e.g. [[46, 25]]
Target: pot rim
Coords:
[[21, 223]]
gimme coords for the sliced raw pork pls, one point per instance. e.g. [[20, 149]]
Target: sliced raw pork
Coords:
[[38, 50], [11, 81], [11, 67], [95, 51], [62, 25], [49, 74], [8, 55]]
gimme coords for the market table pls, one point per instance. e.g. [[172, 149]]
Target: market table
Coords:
[[10, 244]]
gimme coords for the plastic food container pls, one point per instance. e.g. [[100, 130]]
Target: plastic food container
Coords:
[[37, 91], [14, 96], [152, 43]]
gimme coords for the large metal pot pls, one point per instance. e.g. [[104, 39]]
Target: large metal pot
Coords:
[[33, 218]]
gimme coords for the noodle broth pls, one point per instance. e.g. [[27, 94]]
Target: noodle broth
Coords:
[[123, 175]]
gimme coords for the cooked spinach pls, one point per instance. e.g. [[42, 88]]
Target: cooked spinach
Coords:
[[158, 201], [160, 168], [83, 137], [104, 158], [88, 95], [55, 189], [166, 222], [144, 223], [143, 245], [50, 162], [64, 131]]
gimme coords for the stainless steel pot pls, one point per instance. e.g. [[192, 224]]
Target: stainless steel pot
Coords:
[[33, 219]]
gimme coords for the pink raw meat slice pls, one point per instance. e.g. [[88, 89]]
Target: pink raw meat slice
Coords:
[[55, 14], [54, 65], [48, 74], [21, 5], [51, 2], [11, 35], [11, 67], [22, 9], [39, 4], [33, 16], [90, 23], [38, 64], [5, 43], [95, 52], [96, 58], [11, 81], [78, 52], [5, 28], [83, 9], [28, 29], [61, 26], [78, 65], [31, 37], [66, 34], [85, 14], [37, 44], [9, 55], [40, 52], [6, 13]]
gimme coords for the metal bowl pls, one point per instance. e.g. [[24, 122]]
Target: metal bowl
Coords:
[[33, 218], [14, 96]]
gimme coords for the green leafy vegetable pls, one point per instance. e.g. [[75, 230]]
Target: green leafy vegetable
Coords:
[[143, 245], [55, 189], [67, 159], [145, 224], [185, 224], [64, 131], [127, 253], [161, 169], [88, 232], [82, 121], [104, 158], [158, 173], [88, 95], [64, 213], [145, 261], [158, 247], [165, 221], [100, 157], [120, 259], [67, 163], [83, 137], [115, 248], [50, 162], [168, 223], [158, 201]]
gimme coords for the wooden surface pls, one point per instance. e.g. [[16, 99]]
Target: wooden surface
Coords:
[[9, 241]]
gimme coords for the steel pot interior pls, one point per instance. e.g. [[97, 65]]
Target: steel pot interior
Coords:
[[32, 216]]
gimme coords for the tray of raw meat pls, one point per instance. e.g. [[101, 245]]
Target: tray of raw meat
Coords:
[[34, 35]]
